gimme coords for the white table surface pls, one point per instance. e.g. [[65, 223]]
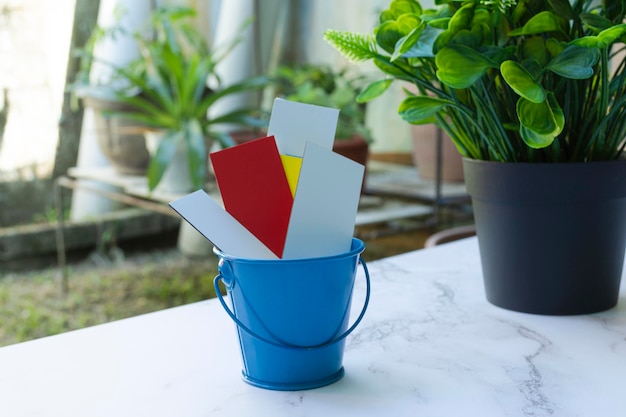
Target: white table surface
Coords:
[[429, 345]]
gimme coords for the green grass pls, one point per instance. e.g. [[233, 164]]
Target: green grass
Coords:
[[32, 305]]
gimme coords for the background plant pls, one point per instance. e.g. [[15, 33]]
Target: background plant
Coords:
[[324, 86], [537, 81], [172, 85]]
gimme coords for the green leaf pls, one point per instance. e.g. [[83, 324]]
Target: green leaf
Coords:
[[588, 42], [421, 109], [460, 66], [519, 11], [387, 35], [406, 6], [535, 48], [399, 7], [557, 111], [196, 153], [537, 117], [354, 46], [482, 16], [161, 159], [424, 46], [596, 22], [390, 32], [540, 23], [540, 123], [442, 41], [610, 35], [438, 23], [502, 27], [482, 33], [574, 62], [554, 46], [383, 64], [373, 90], [467, 38], [562, 8], [241, 116], [406, 43], [522, 82], [407, 22], [243, 86], [496, 54], [535, 140], [603, 39], [224, 138], [462, 19]]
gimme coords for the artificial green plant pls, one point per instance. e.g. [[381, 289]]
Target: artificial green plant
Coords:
[[510, 81]]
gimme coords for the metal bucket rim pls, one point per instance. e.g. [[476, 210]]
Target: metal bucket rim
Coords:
[[357, 248]]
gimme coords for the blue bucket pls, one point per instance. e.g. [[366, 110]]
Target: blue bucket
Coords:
[[292, 316]]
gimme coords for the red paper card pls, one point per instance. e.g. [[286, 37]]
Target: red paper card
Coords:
[[255, 190]]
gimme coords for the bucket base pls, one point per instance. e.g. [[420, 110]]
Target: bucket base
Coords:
[[295, 386]]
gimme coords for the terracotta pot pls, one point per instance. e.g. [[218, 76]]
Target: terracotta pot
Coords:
[[425, 155], [355, 148], [243, 136]]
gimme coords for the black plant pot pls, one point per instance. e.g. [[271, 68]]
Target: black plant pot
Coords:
[[552, 237]]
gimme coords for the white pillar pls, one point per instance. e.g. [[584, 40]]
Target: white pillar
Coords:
[[239, 63], [119, 50]]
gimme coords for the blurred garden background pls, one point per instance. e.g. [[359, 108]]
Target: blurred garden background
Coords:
[[119, 258]]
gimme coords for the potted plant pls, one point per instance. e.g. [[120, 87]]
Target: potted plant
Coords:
[[533, 95], [324, 86], [169, 90], [121, 140], [172, 86]]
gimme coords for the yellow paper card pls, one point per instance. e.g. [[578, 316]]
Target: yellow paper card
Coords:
[[292, 165]]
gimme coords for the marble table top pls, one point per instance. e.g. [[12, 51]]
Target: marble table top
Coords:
[[429, 345]]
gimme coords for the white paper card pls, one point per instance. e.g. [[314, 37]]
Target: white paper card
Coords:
[[325, 205], [294, 124], [219, 227]]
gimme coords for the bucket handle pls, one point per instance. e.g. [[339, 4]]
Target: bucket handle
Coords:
[[339, 338]]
